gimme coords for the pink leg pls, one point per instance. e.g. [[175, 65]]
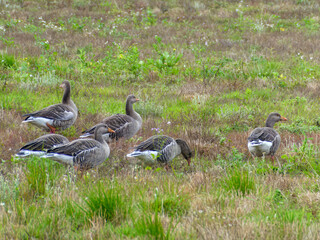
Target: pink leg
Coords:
[[167, 167], [52, 129], [272, 158]]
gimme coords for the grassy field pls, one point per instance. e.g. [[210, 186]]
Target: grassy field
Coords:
[[206, 71]]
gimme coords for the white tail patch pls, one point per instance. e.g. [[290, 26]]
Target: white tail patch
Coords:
[[61, 158], [85, 135], [39, 121], [26, 153], [148, 157], [258, 148]]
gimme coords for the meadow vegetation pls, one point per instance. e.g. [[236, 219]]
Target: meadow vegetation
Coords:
[[206, 71]]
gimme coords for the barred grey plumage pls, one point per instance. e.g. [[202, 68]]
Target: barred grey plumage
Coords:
[[40, 145], [83, 153], [58, 116], [161, 148], [265, 140], [124, 125]]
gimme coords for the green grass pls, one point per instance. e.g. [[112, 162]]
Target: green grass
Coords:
[[110, 205], [240, 181], [151, 226]]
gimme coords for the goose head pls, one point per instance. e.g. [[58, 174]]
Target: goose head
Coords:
[[101, 129], [65, 84], [273, 118], [185, 150], [131, 99], [66, 96]]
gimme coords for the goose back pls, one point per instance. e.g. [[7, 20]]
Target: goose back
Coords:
[[160, 148], [59, 116], [265, 140], [40, 145], [83, 153], [123, 125]]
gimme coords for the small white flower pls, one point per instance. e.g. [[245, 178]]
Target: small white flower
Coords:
[[168, 122]]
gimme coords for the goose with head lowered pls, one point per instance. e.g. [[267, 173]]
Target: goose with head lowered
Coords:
[[83, 154], [40, 145], [265, 140], [123, 125], [162, 149], [59, 116]]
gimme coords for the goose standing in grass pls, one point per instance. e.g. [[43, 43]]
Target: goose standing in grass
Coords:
[[123, 125], [40, 145], [162, 149], [83, 154], [58, 116], [265, 140]]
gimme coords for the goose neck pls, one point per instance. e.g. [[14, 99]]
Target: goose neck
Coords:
[[270, 123], [66, 94]]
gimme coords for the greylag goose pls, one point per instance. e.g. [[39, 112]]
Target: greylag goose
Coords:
[[40, 145], [265, 140], [59, 116], [123, 125], [83, 154], [161, 148]]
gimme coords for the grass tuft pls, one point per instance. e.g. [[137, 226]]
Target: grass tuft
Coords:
[[172, 205], [150, 225], [40, 176], [240, 181], [108, 204]]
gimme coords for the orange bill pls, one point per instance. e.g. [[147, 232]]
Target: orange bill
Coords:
[[284, 119], [189, 161], [110, 130]]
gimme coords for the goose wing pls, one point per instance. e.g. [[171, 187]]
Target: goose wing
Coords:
[[45, 142], [154, 143], [76, 147], [263, 134], [120, 123], [60, 111]]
